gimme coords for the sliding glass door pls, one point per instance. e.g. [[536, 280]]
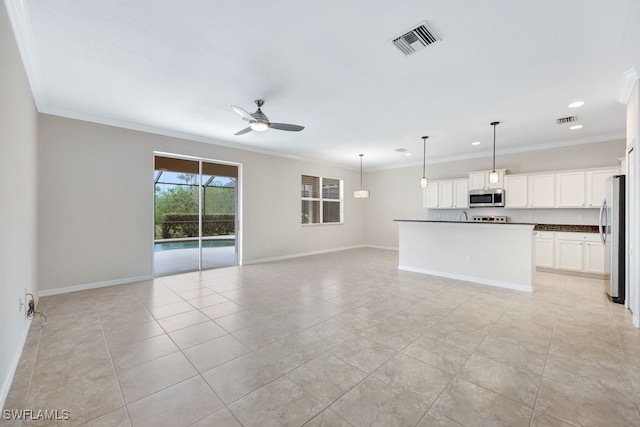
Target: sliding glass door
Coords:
[[195, 215]]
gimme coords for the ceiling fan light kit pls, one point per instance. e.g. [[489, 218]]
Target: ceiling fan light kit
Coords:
[[259, 122]]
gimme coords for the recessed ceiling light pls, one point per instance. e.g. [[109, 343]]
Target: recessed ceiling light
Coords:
[[476, 143], [408, 154], [576, 104], [574, 127]]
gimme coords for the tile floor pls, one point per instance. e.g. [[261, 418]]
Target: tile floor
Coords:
[[340, 339]]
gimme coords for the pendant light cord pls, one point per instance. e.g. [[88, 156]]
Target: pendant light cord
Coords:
[[361, 170], [494, 124], [424, 156]]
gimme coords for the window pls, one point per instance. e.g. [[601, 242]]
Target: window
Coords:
[[321, 200]]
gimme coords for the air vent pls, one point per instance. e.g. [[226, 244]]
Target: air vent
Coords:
[[400, 150], [415, 39], [570, 119]]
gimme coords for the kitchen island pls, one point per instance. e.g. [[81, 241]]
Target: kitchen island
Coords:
[[487, 253]]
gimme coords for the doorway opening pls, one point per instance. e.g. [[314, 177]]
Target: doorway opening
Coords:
[[195, 214]]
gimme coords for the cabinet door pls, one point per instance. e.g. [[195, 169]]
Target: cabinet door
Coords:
[[478, 180], [541, 191], [516, 191], [596, 186], [544, 253], [445, 194], [594, 257], [461, 193], [568, 254], [431, 195], [570, 189]]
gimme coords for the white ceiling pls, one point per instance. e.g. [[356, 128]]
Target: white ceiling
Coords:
[[176, 66]]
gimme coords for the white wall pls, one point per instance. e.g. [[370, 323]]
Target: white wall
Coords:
[[96, 202], [18, 136], [396, 193]]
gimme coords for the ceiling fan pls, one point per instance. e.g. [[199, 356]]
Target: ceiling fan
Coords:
[[259, 122]]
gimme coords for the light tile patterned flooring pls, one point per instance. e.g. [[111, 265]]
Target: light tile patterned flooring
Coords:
[[340, 339]]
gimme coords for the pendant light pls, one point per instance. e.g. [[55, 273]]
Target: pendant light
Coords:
[[424, 182], [493, 175], [360, 194]]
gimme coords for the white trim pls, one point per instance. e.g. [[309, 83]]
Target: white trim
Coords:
[[505, 151], [6, 384], [388, 248], [629, 78], [94, 285], [21, 24], [301, 254], [481, 281]]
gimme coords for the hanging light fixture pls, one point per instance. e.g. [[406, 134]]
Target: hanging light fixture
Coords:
[[493, 175], [360, 194], [424, 181]]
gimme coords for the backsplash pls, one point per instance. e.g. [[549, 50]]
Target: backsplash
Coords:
[[537, 216]]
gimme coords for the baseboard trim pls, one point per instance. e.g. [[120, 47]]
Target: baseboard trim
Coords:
[[472, 279], [387, 248], [6, 384], [95, 285], [301, 254]]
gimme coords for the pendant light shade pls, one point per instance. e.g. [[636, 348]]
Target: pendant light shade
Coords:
[[361, 193], [494, 177], [424, 181]]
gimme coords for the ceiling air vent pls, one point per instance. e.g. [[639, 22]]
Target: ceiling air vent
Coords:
[[415, 39], [570, 119]]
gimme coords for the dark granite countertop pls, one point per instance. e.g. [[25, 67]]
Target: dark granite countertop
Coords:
[[567, 228]]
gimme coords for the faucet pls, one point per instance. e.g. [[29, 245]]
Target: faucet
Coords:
[[466, 218]]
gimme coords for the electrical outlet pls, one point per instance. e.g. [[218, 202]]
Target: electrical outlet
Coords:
[[580, 217], [469, 259], [20, 304]]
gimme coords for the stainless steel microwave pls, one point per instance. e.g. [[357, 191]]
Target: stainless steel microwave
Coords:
[[493, 197]]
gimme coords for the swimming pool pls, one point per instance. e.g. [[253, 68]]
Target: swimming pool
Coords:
[[192, 244]]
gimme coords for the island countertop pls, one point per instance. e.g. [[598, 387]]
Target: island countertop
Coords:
[[465, 222]]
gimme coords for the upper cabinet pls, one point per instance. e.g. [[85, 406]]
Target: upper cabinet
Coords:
[[570, 189], [480, 180], [516, 191], [447, 194], [461, 193], [542, 190], [596, 181]]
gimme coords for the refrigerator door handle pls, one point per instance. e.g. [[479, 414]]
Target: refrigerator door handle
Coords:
[[603, 235]]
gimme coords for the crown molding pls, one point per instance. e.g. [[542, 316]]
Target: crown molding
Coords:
[[629, 78]]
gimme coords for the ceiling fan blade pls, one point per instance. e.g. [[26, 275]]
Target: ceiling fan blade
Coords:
[[243, 131], [242, 113], [286, 126]]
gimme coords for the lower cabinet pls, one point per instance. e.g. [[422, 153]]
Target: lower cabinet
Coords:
[[576, 252], [544, 249]]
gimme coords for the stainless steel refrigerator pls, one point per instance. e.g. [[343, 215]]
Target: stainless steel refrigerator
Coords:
[[612, 232]]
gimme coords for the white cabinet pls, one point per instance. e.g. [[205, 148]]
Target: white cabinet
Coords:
[[480, 180], [445, 194], [544, 249], [461, 193], [541, 191], [583, 252], [431, 195], [570, 189], [596, 181], [568, 254], [516, 191]]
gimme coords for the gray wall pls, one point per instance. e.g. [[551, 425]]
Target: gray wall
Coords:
[[18, 137], [396, 193], [96, 215]]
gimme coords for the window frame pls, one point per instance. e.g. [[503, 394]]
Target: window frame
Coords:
[[321, 199]]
